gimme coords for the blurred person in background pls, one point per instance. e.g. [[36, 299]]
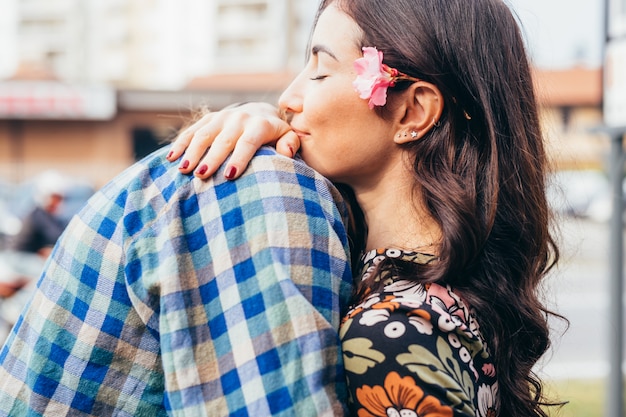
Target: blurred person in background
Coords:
[[26, 252], [43, 225]]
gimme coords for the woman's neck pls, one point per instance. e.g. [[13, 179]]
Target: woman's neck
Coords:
[[396, 217]]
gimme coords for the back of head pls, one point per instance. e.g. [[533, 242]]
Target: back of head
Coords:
[[481, 170], [49, 185]]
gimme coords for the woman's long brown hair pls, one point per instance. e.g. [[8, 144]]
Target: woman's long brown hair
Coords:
[[481, 172]]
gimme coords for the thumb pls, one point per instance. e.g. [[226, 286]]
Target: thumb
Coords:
[[288, 144]]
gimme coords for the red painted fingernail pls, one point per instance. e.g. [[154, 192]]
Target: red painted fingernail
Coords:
[[230, 173], [185, 164], [169, 155], [203, 169], [291, 150]]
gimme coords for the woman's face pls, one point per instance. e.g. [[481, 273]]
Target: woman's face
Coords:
[[340, 136]]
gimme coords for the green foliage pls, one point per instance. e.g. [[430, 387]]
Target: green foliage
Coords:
[[585, 398]]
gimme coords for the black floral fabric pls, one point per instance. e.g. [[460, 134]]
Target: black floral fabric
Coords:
[[415, 350]]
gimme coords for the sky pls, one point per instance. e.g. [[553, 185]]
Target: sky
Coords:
[[562, 33]]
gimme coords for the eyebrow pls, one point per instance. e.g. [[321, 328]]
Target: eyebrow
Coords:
[[316, 49]]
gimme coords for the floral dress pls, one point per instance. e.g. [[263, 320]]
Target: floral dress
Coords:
[[415, 350]]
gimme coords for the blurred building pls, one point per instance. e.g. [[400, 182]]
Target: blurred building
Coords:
[[571, 110], [89, 86], [152, 44]]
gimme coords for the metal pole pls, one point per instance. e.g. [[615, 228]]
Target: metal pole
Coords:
[[616, 379], [615, 403]]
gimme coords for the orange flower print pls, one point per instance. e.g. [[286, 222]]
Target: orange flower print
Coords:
[[367, 304], [352, 313], [389, 302], [399, 397]]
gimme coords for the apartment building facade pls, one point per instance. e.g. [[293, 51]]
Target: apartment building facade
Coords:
[[89, 86], [152, 44]]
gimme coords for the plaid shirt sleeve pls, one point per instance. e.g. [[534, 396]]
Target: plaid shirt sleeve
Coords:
[[168, 295]]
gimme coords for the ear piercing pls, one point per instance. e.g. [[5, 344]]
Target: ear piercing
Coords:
[[413, 134]]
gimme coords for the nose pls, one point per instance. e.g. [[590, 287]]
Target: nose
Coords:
[[290, 101]]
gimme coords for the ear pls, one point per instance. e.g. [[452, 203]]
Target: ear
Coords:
[[422, 109]]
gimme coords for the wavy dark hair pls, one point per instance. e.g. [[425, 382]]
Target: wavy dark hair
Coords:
[[481, 173]]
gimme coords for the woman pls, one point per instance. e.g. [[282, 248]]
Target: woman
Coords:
[[441, 146]]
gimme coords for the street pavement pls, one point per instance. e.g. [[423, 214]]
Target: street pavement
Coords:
[[579, 290]]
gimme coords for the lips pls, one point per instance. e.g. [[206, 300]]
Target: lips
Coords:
[[301, 134]]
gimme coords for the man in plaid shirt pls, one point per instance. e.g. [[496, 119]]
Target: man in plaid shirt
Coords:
[[169, 295]]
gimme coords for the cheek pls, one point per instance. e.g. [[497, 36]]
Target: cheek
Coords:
[[343, 130], [339, 111], [330, 117], [330, 102]]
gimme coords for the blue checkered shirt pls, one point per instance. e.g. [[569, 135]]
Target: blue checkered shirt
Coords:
[[168, 295]]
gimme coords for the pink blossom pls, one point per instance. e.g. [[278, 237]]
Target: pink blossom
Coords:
[[373, 77]]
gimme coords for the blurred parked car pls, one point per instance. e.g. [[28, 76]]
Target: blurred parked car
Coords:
[[9, 222], [601, 208], [584, 193], [574, 192], [76, 193]]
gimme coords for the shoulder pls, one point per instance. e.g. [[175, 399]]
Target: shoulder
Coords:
[[269, 167], [153, 188], [156, 175], [275, 179]]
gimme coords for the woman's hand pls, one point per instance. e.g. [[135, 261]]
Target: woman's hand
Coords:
[[241, 130]]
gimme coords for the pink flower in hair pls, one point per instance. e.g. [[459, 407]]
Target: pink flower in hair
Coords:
[[373, 77]]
